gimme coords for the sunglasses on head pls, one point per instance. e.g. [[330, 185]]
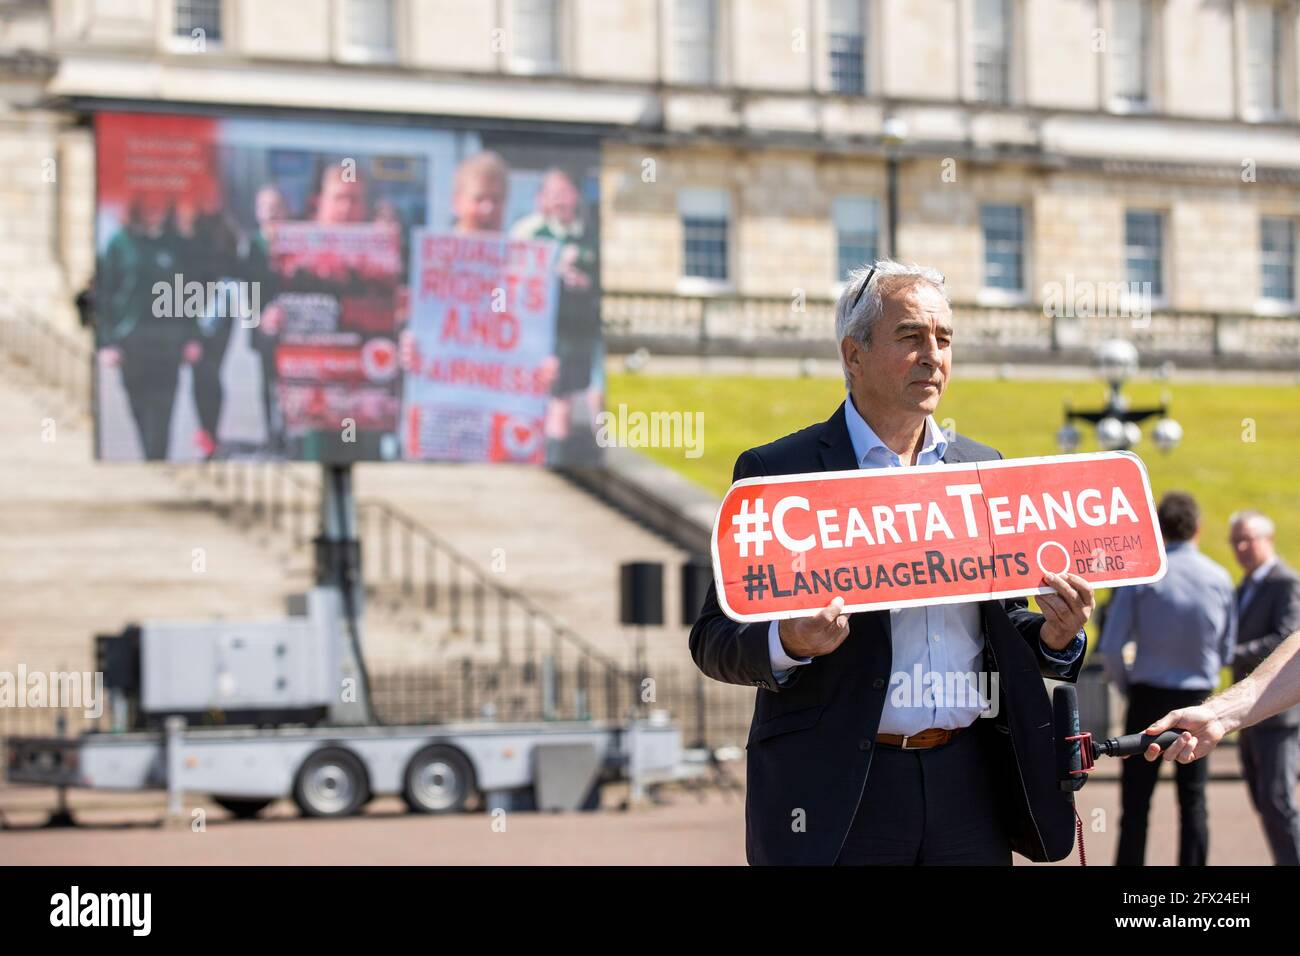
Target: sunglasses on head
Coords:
[[861, 289]]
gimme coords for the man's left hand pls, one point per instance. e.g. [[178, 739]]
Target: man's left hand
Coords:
[[1067, 611]]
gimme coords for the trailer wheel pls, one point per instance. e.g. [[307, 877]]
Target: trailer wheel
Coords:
[[242, 808], [438, 780], [330, 783]]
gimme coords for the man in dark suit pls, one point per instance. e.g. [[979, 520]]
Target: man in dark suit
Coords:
[[1268, 610], [839, 769]]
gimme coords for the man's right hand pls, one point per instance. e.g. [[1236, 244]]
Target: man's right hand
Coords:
[[1203, 731], [815, 636]]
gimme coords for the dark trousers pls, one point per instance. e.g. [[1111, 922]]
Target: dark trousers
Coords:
[[1269, 757], [150, 378], [928, 807], [1147, 704], [209, 395], [265, 347]]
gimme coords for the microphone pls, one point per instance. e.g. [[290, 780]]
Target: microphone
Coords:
[[1131, 744], [1070, 769]]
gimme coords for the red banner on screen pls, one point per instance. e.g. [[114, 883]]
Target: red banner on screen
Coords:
[[785, 547], [144, 158]]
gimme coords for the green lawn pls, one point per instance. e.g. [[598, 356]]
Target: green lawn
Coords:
[[1215, 463]]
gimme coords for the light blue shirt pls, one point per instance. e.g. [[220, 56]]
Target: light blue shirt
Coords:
[[942, 640], [1184, 625]]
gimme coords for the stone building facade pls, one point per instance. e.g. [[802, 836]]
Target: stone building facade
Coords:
[[750, 145]]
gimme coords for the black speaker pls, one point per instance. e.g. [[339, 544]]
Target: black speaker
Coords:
[[641, 596], [117, 657], [697, 575]]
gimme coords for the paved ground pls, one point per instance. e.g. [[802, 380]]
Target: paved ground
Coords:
[[688, 828]]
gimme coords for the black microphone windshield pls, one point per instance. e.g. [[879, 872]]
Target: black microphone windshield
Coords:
[[1065, 722]]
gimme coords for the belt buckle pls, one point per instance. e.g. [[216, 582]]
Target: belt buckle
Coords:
[[906, 738]]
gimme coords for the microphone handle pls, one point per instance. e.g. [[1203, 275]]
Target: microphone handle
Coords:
[[1131, 744]]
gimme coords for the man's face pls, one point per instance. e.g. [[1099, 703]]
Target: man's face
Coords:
[[1250, 546], [341, 201], [907, 366], [558, 199], [153, 212], [479, 204], [269, 206]]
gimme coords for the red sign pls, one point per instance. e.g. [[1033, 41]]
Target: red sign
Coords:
[[785, 547]]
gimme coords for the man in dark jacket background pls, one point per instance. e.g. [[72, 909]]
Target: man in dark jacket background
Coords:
[[840, 769], [1268, 610]]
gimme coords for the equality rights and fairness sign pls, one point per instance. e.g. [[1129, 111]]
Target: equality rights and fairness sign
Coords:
[[785, 547], [483, 312]]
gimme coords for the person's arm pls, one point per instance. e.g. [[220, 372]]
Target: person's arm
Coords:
[[1270, 689], [1286, 620], [1115, 633], [743, 653], [723, 649], [109, 280], [1063, 664], [1228, 639], [782, 663]]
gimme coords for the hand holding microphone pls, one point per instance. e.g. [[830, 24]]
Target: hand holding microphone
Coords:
[[1200, 732], [1076, 751]]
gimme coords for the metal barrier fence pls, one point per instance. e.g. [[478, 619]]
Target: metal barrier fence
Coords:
[[469, 690], [805, 327]]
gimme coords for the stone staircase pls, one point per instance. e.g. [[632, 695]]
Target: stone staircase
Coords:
[[466, 567]]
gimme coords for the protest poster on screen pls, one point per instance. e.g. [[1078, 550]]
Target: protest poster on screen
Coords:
[[482, 320], [785, 547], [336, 356]]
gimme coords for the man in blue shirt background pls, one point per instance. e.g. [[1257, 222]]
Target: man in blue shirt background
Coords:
[[1183, 627]]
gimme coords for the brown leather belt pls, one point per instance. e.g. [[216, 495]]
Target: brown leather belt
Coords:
[[925, 740]]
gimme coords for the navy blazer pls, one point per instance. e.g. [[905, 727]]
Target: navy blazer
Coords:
[[812, 738], [1272, 615]]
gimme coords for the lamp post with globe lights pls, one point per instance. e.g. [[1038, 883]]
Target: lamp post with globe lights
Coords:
[[1117, 426]]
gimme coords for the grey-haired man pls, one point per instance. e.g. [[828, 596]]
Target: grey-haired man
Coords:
[[945, 786]]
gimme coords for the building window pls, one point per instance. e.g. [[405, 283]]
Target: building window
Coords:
[[1130, 54], [369, 32], [198, 15], [846, 46], [857, 233], [1144, 251], [706, 216], [992, 50], [535, 36], [695, 30], [1277, 259], [1004, 247], [1263, 61]]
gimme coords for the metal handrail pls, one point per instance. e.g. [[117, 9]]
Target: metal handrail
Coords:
[[57, 358]]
